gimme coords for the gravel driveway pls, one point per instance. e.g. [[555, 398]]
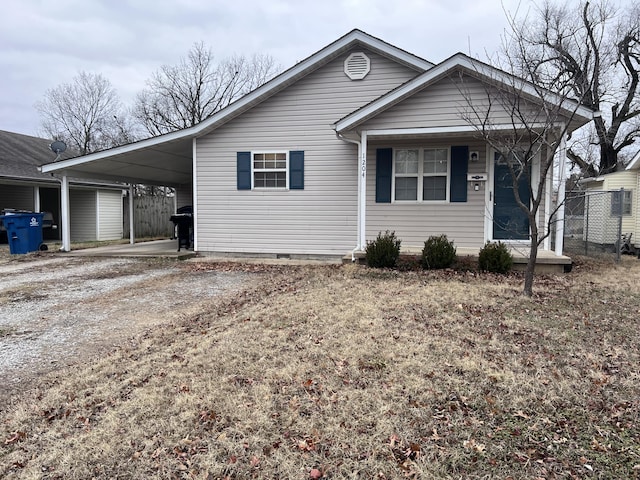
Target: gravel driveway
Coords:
[[57, 310]]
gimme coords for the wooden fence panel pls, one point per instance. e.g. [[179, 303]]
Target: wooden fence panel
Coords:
[[151, 215]]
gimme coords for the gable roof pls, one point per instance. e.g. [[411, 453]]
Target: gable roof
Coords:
[[164, 148], [459, 61], [21, 155]]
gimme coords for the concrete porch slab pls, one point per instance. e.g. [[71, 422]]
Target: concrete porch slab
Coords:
[[547, 261]]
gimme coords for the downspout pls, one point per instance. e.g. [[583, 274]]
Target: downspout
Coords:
[[359, 144]]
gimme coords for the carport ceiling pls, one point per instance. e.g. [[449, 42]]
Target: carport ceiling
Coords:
[[168, 163]]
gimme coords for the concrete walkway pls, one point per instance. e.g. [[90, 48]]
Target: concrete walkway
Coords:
[[156, 248]]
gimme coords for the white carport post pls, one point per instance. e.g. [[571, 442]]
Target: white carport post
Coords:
[[362, 213], [132, 238], [64, 213], [36, 199], [562, 151]]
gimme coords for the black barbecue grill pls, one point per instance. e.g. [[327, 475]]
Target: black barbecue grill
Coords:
[[183, 222]]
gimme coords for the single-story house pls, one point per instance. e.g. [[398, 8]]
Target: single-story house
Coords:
[[609, 198], [360, 137], [95, 206]]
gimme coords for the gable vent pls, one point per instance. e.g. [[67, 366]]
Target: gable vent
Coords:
[[357, 66]]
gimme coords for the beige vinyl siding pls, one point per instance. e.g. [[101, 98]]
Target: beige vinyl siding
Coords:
[[594, 218], [82, 213], [322, 218], [109, 210], [184, 195], [462, 222], [636, 212], [18, 197], [442, 104], [603, 227], [628, 180]]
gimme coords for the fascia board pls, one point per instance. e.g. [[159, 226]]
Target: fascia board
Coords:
[[456, 61], [310, 63], [635, 162], [251, 98], [128, 148], [521, 85]]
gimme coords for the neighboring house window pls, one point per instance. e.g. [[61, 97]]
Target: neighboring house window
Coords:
[[621, 202], [270, 170], [421, 174]]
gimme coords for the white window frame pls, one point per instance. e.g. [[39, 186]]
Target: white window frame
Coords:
[[421, 174], [625, 201], [268, 170]]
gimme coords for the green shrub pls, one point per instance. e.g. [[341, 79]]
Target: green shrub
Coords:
[[495, 257], [438, 252], [384, 251]]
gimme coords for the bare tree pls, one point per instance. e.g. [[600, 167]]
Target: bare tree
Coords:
[[524, 124], [590, 51], [180, 96], [86, 114]]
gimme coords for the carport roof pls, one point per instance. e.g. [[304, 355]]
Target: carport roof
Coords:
[[164, 160]]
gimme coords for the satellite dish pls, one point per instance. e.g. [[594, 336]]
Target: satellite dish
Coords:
[[58, 147]]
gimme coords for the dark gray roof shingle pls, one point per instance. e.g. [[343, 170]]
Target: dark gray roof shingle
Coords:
[[21, 155]]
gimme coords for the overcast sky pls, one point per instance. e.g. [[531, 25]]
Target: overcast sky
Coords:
[[44, 43]]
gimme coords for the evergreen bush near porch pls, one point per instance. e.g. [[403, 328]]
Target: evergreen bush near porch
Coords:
[[383, 252], [495, 258], [438, 252]]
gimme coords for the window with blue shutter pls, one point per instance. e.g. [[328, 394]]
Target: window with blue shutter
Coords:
[[270, 170], [384, 168], [459, 169], [244, 170], [296, 170]]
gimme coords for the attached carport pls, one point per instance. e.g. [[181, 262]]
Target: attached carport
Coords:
[[166, 160]]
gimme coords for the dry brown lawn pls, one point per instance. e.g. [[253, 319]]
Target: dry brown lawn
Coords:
[[349, 372]]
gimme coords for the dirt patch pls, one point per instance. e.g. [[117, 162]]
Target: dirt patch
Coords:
[[57, 310]]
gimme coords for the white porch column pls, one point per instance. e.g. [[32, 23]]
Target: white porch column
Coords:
[[132, 235], [362, 213], [64, 212], [562, 150]]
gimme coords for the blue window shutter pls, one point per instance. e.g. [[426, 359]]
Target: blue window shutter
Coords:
[[384, 163], [459, 169], [244, 170], [296, 170]]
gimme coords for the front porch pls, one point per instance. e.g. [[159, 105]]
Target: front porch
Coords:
[[547, 262]]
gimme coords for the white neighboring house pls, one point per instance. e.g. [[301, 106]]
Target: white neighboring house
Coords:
[[358, 138], [96, 206], [604, 210]]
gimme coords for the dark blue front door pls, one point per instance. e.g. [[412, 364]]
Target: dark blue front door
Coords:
[[510, 222]]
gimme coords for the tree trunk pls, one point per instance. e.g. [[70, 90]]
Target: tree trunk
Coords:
[[531, 264], [608, 158]]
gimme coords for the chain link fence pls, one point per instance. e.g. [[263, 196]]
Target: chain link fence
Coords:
[[599, 223]]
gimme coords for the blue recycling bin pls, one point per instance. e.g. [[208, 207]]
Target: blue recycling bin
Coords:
[[24, 232]]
